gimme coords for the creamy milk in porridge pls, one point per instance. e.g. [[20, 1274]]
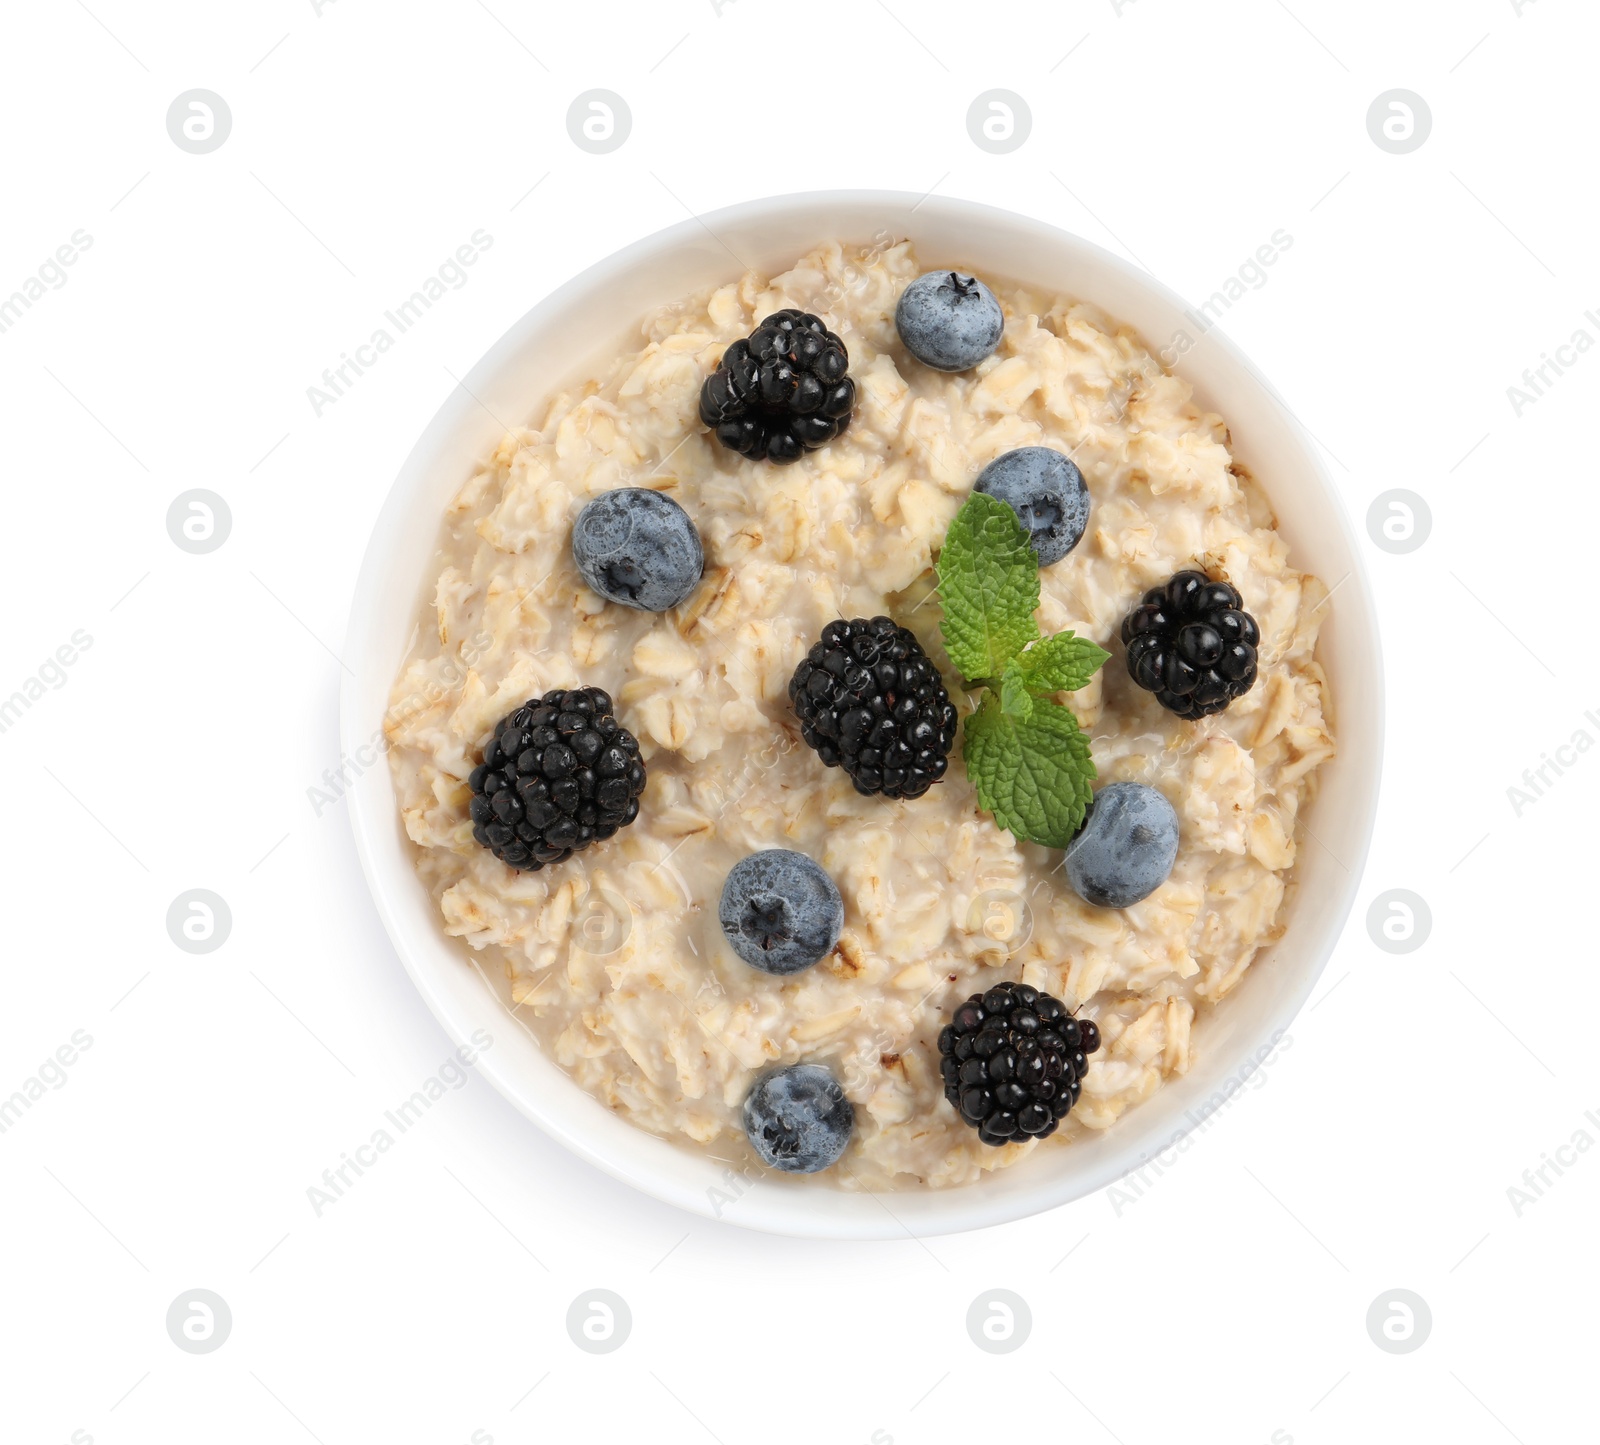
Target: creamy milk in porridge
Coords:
[[615, 958]]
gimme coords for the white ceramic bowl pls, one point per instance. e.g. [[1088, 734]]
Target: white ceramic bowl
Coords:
[[584, 324]]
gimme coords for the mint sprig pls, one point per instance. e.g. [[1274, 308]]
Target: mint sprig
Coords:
[[1026, 755], [989, 588], [1032, 773], [1015, 699], [1062, 663]]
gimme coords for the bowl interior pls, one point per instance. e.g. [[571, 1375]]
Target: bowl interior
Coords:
[[587, 322]]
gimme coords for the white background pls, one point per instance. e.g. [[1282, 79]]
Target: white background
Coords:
[[1228, 1303]]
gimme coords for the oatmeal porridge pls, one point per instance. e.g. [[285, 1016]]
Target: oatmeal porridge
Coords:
[[616, 958]]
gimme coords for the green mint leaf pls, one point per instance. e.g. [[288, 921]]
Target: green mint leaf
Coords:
[[988, 586], [1033, 776], [1015, 700], [1062, 663]]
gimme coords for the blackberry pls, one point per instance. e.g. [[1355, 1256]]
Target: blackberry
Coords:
[[1013, 1061], [870, 702], [1192, 644], [559, 774], [782, 391]]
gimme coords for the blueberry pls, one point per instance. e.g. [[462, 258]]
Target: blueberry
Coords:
[[949, 321], [1126, 847], [638, 548], [781, 912], [1046, 491], [798, 1118]]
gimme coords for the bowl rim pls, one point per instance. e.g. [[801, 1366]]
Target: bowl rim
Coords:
[[781, 1210]]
